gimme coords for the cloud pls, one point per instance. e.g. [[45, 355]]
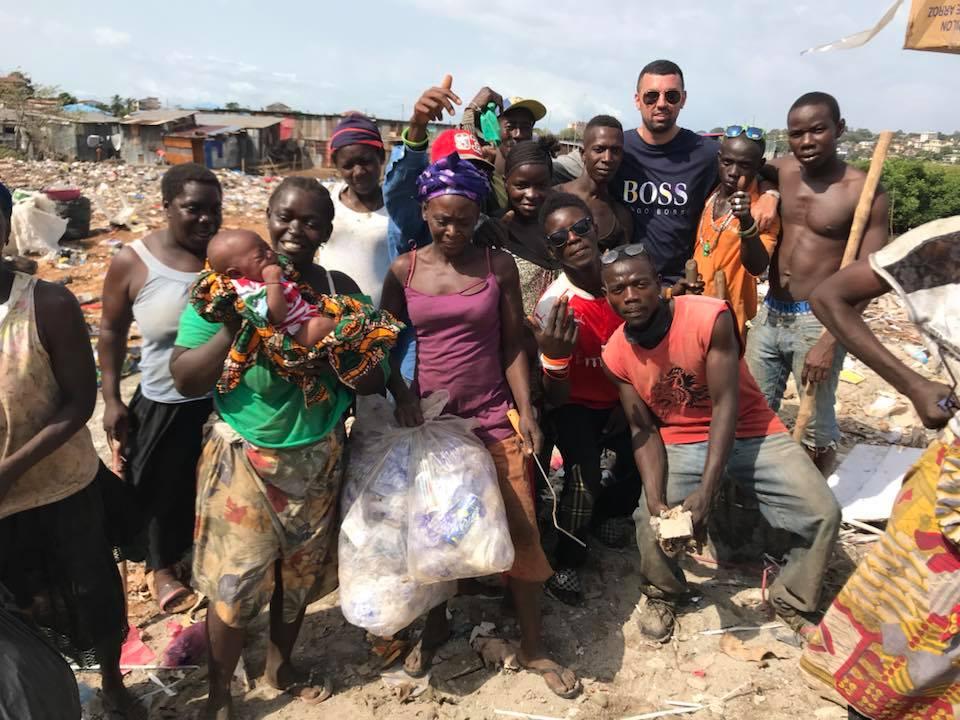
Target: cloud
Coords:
[[110, 37], [242, 86]]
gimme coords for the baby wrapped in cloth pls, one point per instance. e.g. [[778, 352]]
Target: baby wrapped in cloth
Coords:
[[350, 335]]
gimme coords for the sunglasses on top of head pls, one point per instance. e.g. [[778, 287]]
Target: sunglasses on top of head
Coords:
[[752, 133], [673, 97], [628, 251], [580, 228]]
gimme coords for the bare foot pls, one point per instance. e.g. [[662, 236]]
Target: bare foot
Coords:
[[435, 633], [120, 704], [218, 708], [311, 687], [561, 681]]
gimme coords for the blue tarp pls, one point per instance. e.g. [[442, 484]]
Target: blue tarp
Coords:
[[82, 108]]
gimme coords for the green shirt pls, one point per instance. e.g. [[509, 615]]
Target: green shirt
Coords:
[[264, 409]]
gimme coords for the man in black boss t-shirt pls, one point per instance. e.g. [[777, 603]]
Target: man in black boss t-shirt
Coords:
[[668, 172]]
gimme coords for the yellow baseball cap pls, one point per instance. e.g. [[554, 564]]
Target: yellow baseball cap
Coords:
[[535, 107]]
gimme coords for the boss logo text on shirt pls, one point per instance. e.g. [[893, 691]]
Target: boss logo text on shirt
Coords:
[[652, 198]]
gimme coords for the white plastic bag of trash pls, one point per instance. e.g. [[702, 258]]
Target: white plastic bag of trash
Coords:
[[36, 228], [457, 526], [377, 592]]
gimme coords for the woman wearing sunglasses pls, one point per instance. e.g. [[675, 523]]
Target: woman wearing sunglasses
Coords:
[[464, 303], [571, 324]]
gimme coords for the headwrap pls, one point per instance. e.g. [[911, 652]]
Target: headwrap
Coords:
[[452, 176], [6, 202], [355, 129]]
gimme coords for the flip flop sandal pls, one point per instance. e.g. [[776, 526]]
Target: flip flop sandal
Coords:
[[426, 655], [174, 598], [325, 688], [543, 672], [388, 651]]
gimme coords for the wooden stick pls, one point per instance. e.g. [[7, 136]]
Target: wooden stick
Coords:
[[720, 285], [666, 713], [118, 468], [861, 217], [863, 526], [523, 715], [691, 272]]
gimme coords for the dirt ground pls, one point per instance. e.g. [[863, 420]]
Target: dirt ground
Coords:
[[622, 675]]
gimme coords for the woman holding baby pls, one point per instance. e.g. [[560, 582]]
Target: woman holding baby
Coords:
[[270, 472]]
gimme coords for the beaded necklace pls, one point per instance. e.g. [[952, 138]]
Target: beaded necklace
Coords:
[[724, 224]]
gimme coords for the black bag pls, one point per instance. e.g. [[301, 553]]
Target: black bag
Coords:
[[77, 214], [35, 681]]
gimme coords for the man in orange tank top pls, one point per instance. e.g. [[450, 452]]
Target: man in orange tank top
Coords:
[[696, 417], [728, 238]]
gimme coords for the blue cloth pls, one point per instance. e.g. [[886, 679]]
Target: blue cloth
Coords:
[[406, 230], [788, 308], [792, 496], [777, 344], [452, 176], [665, 188]]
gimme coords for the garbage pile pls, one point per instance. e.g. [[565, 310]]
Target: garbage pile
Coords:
[[127, 195]]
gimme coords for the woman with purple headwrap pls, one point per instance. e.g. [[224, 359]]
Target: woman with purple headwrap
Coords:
[[358, 245], [464, 302]]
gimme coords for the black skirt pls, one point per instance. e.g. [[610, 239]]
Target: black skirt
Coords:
[[163, 448], [58, 563]]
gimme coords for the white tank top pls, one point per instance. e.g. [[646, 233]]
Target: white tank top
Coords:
[[357, 246], [157, 309]]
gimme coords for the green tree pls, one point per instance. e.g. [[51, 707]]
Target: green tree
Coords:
[[66, 98], [117, 106], [29, 123], [232, 106], [919, 191]]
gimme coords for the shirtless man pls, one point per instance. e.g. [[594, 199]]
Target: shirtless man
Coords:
[[602, 153], [819, 196]]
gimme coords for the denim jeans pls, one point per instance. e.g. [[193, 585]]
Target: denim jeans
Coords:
[[777, 345], [792, 495]]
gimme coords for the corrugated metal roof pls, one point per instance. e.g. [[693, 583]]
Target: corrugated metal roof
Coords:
[[155, 117], [98, 118], [250, 122], [206, 131]]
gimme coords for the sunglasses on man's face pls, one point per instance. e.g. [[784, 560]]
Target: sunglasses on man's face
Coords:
[[581, 228], [673, 97], [752, 133], [629, 251]]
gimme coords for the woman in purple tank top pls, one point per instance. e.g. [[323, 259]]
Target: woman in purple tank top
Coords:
[[465, 304]]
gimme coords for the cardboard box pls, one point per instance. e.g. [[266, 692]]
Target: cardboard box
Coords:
[[934, 25]]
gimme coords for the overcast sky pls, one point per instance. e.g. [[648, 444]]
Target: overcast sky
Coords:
[[741, 58]]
